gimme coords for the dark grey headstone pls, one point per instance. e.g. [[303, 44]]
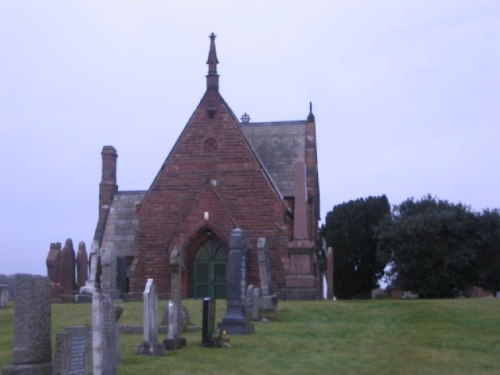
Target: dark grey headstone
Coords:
[[235, 321], [208, 322]]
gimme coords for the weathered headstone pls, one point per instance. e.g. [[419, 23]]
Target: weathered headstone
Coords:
[[4, 295], [72, 356], [32, 353], [208, 322], [235, 321], [249, 301], [184, 321], [104, 334], [68, 271], [54, 268], [329, 268], [89, 288], [109, 271], [82, 265], [174, 340], [269, 299], [150, 344], [257, 304], [53, 262]]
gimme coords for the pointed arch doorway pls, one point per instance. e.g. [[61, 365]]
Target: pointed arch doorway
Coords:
[[210, 270]]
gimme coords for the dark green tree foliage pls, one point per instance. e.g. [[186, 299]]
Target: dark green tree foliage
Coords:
[[349, 229], [434, 246], [489, 252]]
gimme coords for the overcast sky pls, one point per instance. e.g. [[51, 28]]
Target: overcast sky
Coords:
[[406, 96]]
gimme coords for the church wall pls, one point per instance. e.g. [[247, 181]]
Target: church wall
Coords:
[[211, 169]]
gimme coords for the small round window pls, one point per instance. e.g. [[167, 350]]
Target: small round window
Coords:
[[210, 145]]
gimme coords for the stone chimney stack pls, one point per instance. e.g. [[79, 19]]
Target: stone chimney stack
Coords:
[[107, 188]]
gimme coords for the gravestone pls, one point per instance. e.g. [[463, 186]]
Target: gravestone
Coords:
[[89, 288], [257, 304], [174, 340], [269, 299], [109, 271], [4, 295], [104, 334], [183, 318], [72, 355], [235, 321], [54, 266], [53, 262], [32, 353], [329, 268], [150, 344], [208, 322], [249, 301], [82, 265], [68, 271]]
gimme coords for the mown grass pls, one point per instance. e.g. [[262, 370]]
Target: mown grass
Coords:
[[341, 337]]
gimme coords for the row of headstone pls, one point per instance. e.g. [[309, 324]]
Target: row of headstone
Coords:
[[67, 271]]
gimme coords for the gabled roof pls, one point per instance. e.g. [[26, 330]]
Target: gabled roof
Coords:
[[278, 145]]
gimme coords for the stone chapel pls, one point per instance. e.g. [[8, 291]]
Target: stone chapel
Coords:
[[222, 173]]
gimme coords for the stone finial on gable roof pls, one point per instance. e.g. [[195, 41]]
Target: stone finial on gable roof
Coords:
[[212, 61]]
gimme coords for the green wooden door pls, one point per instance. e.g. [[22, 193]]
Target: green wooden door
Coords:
[[210, 271]]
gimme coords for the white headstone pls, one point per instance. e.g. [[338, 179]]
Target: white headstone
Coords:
[[150, 345]]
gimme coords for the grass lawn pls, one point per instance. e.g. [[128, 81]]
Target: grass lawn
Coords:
[[342, 337]]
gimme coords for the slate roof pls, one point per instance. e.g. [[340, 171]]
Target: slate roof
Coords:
[[122, 222], [278, 145]]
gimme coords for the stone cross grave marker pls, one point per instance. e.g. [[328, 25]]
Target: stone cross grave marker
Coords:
[[235, 321], [150, 344], [32, 353]]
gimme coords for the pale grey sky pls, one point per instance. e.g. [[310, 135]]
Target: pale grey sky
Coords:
[[406, 96]]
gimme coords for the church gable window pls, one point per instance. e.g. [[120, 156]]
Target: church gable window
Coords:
[[210, 145]]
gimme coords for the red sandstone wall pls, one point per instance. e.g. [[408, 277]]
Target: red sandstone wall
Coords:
[[209, 149]]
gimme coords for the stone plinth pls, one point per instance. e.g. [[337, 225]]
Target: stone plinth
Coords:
[[300, 283]]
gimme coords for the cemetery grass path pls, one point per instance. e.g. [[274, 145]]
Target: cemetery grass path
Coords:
[[343, 337]]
